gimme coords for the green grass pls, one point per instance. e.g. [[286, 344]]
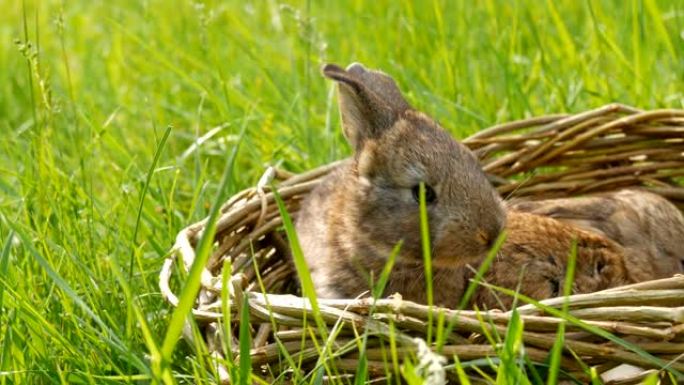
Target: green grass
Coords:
[[88, 89]]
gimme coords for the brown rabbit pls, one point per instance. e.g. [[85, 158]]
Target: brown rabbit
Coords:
[[535, 255], [648, 226], [350, 223]]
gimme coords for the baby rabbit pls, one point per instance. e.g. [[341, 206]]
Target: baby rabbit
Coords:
[[349, 224], [535, 256], [648, 226]]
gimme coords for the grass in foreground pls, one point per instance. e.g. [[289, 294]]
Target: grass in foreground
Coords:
[[88, 89]]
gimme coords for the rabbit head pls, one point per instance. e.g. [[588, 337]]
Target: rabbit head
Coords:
[[395, 149]]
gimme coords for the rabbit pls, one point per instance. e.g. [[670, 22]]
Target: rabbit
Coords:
[[648, 226], [534, 258], [349, 224]]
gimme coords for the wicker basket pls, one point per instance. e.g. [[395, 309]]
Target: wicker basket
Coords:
[[551, 156]]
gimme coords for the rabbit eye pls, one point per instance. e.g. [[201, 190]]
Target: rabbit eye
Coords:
[[430, 194]]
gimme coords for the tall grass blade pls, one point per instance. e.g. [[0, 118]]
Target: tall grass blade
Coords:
[[510, 371], [187, 295], [245, 343], [460, 372], [6, 347], [652, 379], [361, 375], [379, 287], [4, 263], [565, 37], [594, 377], [472, 286], [557, 350], [145, 330], [301, 267], [660, 29], [427, 257], [143, 194]]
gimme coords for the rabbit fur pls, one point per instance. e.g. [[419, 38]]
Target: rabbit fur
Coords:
[[534, 259], [648, 226]]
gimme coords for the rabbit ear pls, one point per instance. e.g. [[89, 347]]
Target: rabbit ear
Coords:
[[370, 101]]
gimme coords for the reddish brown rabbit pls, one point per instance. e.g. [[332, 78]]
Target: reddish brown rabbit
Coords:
[[535, 255], [350, 223], [648, 226]]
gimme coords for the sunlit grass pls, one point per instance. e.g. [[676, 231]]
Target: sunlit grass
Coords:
[[88, 89]]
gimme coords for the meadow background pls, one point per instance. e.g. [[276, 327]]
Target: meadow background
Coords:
[[88, 90]]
